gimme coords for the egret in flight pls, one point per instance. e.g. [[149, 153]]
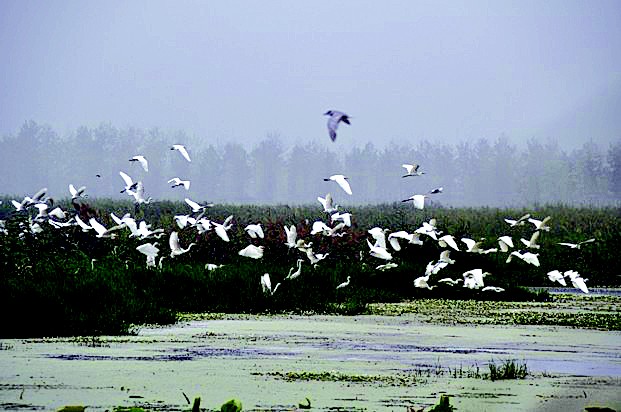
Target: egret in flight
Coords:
[[333, 122]]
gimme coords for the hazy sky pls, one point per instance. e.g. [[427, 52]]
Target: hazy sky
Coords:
[[238, 71]]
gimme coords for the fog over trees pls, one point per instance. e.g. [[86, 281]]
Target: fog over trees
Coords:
[[275, 171]]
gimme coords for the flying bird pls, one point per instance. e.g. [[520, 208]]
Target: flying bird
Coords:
[[328, 204], [342, 181], [577, 245], [181, 148], [252, 251], [333, 122], [412, 170], [417, 200], [178, 182], [143, 161], [175, 247]]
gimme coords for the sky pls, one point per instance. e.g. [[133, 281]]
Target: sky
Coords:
[[405, 71]]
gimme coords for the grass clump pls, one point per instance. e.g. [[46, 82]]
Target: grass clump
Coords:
[[508, 369]]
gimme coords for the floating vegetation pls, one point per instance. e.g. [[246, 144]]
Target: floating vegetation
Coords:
[[332, 376]]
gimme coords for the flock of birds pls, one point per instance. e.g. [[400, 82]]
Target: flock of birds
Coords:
[[337, 224]]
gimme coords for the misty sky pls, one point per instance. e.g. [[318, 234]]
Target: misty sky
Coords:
[[237, 71]]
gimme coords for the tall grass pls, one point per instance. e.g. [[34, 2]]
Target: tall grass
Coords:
[[66, 282]]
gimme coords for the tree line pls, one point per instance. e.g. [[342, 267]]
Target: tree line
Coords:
[[483, 172]]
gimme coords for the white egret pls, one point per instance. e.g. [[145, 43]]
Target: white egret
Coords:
[[557, 276], [101, 229], [175, 181], [181, 149], [472, 246], [429, 229], [541, 224], [221, 228], [384, 267], [449, 281], [184, 220], [342, 181], [532, 242], [212, 266], [344, 284], [85, 227], [320, 227], [129, 182], [402, 234], [505, 243], [333, 122], [142, 160], [292, 275], [291, 235], [473, 279], [255, 230], [151, 251], [379, 252], [58, 213], [434, 267], [314, 258], [252, 251], [196, 207], [175, 247], [379, 235], [266, 285], [343, 217], [202, 225], [412, 170], [138, 194], [577, 280], [577, 245], [421, 282], [448, 240], [519, 222], [445, 257], [76, 193], [144, 231], [527, 257], [417, 200], [492, 289], [328, 203]]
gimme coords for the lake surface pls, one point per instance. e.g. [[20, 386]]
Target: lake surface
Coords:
[[244, 357]]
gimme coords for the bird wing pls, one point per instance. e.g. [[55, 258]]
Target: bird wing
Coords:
[[128, 180], [192, 204], [343, 183], [173, 241], [184, 152]]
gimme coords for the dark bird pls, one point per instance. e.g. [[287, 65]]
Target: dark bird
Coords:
[[333, 121]]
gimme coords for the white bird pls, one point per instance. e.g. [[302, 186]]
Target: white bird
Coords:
[[118, 220], [343, 217], [202, 225], [541, 224], [379, 252], [101, 229], [429, 229], [266, 285], [76, 193], [212, 266], [333, 122], [252, 251], [346, 283], [58, 213], [421, 282], [175, 247], [577, 245], [342, 181], [328, 203], [505, 243], [196, 208], [255, 231], [434, 267], [412, 170], [445, 257], [417, 200], [181, 148], [519, 222], [139, 194], [151, 251], [292, 275], [577, 280], [142, 160], [472, 246], [320, 227], [402, 234], [532, 242], [178, 182], [448, 240], [221, 228], [184, 220], [492, 289], [449, 281], [82, 224], [379, 235], [527, 257], [473, 279], [129, 183], [292, 235], [557, 276], [144, 230], [384, 267]]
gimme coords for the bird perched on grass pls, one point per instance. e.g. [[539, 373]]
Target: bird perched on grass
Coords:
[[333, 122]]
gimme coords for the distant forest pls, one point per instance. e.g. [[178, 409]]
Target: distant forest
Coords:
[[494, 173]]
